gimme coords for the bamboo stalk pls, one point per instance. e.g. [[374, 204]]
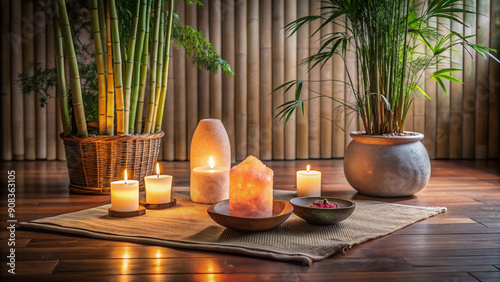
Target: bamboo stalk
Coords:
[[6, 84], [338, 92], [303, 74], [41, 61], [204, 75], [143, 74], [61, 153], [180, 94], [62, 94], [169, 117], [409, 118], [153, 67], [215, 79], [290, 74], [101, 73], [351, 117], [118, 68], [28, 67], [159, 73], [314, 86], [192, 86], [166, 66], [429, 140], [228, 53], [76, 91], [326, 103], [469, 99], [138, 55], [15, 68], [494, 79], [456, 96], [482, 84], [110, 100], [419, 101], [443, 108], [101, 9], [130, 63], [278, 75], [52, 121], [253, 79], [241, 82], [266, 86]]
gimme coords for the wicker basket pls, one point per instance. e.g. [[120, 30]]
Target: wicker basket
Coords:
[[94, 162]]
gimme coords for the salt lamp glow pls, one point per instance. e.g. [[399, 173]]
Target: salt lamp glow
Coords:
[[251, 189]]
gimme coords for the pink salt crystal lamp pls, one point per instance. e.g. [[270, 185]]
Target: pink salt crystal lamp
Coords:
[[210, 140], [251, 189]]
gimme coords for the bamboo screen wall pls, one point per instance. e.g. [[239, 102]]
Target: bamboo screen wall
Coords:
[[250, 36]]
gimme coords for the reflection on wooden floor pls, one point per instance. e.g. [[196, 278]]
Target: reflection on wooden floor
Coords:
[[461, 245]]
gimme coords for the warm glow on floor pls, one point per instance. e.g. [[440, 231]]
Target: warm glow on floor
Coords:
[[210, 267]]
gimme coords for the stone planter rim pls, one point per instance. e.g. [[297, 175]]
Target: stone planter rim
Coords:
[[362, 137]]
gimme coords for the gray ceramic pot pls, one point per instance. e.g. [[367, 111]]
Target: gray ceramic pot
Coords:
[[387, 166]]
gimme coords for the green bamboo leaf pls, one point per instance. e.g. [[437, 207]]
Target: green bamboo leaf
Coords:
[[298, 90], [423, 92], [440, 82], [287, 84], [447, 71], [449, 77]]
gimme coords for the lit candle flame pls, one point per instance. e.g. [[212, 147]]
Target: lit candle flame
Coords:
[[125, 176], [308, 168], [211, 162], [158, 169]]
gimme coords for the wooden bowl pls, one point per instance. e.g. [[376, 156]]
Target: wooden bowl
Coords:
[[322, 216], [219, 212]]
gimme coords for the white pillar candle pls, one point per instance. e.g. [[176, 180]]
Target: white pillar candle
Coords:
[[209, 184], [125, 195], [158, 187], [308, 183]]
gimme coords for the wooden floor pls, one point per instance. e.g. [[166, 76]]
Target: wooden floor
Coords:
[[461, 245]]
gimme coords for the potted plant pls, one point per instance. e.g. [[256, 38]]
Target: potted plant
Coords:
[[121, 139], [385, 160]]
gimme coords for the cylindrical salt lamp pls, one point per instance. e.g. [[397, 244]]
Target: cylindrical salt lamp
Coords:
[[210, 139], [214, 181]]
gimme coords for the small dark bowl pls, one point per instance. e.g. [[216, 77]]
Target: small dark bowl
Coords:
[[219, 212], [322, 216]]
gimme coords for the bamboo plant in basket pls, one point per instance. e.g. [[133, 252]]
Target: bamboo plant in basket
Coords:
[[123, 140], [385, 36]]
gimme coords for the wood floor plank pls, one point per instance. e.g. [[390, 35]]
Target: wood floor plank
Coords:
[[447, 261], [224, 265], [28, 268], [119, 251], [404, 252], [493, 276], [457, 268]]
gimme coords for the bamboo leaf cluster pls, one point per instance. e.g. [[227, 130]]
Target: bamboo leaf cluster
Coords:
[[384, 35]]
